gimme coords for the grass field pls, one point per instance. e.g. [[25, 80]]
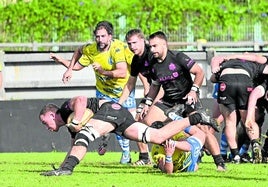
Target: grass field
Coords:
[[23, 170]]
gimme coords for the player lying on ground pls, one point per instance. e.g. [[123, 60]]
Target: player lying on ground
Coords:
[[170, 158], [112, 117]]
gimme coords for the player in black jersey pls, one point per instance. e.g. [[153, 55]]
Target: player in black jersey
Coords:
[[173, 71], [55, 117], [236, 78], [140, 67], [109, 118]]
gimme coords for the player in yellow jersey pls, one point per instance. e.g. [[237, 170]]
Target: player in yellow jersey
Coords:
[[110, 59], [177, 155], [109, 85]]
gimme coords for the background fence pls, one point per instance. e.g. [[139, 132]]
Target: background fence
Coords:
[[32, 79], [33, 75]]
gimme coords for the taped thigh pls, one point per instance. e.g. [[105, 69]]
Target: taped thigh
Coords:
[[143, 133], [87, 134]]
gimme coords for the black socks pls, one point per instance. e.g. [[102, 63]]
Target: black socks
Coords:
[[70, 163], [218, 160]]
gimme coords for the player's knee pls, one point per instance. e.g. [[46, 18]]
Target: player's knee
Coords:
[[81, 140], [86, 135], [143, 134]]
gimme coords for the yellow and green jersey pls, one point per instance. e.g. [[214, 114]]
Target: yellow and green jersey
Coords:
[[118, 52], [181, 159]]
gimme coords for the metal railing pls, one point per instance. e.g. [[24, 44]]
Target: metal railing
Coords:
[[186, 46]]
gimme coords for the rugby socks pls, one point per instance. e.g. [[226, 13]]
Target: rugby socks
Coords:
[[234, 152], [70, 163], [124, 143], [244, 149], [218, 160], [224, 145]]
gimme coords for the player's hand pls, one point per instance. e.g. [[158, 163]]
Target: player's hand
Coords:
[[138, 111], [55, 57], [97, 67], [191, 97], [215, 63], [67, 76], [74, 128], [169, 147], [249, 125], [144, 111], [215, 69]]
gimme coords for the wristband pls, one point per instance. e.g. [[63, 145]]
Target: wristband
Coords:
[[143, 100], [195, 88], [139, 109], [75, 122], [168, 159], [148, 101]]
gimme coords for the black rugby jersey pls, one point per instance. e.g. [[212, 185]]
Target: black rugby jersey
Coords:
[[142, 64], [174, 75]]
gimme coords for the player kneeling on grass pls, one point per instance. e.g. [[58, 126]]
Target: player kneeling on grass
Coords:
[[112, 117], [175, 155]]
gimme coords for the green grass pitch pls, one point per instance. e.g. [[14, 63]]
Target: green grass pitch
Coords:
[[23, 170]]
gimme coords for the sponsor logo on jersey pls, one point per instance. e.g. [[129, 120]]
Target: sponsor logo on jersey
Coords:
[[116, 106], [222, 86]]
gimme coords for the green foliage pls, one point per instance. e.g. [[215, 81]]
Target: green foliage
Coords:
[[64, 20]]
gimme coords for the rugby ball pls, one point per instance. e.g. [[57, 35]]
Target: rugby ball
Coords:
[[86, 117]]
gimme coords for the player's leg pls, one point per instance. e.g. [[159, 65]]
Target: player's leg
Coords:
[[154, 114], [141, 132], [230, 131], [93, 130], [212, 146], [144, 158], [124, 143]]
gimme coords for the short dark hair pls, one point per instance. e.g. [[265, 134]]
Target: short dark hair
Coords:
[[49, 108], [158, 34], [108, 26], [134, 32]]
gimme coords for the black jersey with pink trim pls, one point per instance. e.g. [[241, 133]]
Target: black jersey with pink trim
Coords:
[[141, 64], [174, 75]]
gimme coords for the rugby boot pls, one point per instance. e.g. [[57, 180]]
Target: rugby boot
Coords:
[[245, 158], [57, 172], [237, 159], [208, 120], [125, 158], [221, 166], [103, 145], [256, 153], [142, 162]]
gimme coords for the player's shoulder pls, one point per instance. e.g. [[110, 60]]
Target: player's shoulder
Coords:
[[90, 48], [118, 43]]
